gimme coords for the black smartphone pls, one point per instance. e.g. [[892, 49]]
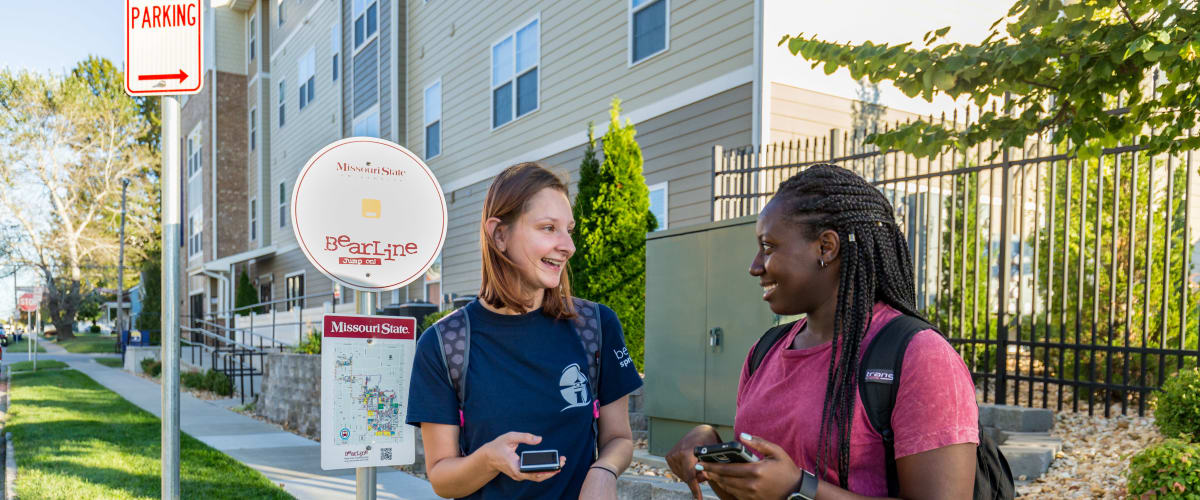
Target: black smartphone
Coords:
[[539, 461], [726, 453]]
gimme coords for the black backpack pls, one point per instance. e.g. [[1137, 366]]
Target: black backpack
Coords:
[[878, 383]]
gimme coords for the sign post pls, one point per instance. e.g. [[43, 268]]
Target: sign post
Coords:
[[370, 215], [29, 304], [164, 56]]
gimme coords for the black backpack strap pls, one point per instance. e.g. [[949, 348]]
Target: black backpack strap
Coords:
[[879, 381], [764, 345], [454, 340], [586, 324]]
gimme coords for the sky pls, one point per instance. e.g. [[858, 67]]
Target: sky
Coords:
[[51, 36]]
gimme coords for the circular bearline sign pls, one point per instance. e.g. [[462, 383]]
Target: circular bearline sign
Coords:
[[368, 214]]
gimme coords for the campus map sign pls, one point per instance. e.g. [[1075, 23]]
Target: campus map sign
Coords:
[[369, 214], [365, 366], [164, 51]]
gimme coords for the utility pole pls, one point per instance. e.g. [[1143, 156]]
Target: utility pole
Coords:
[[121, 268], [170, 296], [364, 477]]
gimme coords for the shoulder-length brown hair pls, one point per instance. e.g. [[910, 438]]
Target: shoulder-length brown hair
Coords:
[[507, 200]]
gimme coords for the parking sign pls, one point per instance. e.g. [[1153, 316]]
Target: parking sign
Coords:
[[163, 47]]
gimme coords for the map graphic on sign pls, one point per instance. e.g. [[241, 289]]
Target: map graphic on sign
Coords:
[[365, 366]]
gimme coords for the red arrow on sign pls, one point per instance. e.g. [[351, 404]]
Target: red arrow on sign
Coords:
[[180, 75]]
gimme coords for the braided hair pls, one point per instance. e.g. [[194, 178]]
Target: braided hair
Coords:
[[875, 266]]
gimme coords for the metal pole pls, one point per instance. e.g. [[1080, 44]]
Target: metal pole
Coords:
[[170, 297], [121, 265], [37, 330], [364, 477]]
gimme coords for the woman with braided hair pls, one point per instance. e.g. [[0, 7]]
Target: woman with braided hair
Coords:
[[829, 248]]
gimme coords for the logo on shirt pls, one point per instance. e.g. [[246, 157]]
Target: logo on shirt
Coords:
[[880, 376], [622, 355], [573, 387]]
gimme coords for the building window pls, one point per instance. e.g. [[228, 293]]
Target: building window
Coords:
[[307, 66], [515, 61], [366, 21], [195, 230], [193, 153], [282, 88], [658, 204], [649, 28], [253, 219], [264, 291], [253, 127], [253, 36], [283, 206], [367, 124], [294, 286], [433, 120], [280, 11], [335, 45]]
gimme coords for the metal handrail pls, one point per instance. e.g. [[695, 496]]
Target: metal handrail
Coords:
[[243, 331], [279, 301]]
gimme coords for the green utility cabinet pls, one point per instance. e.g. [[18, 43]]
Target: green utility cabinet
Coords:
[[703, 313]]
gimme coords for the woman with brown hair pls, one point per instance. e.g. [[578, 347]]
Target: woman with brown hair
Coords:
[[525, 367]]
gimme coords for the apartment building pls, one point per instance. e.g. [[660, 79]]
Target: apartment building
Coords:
[[474, 87]]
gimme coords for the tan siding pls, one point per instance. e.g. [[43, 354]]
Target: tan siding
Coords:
[[306, 130], [231, 41], [801, 113], [584, 63]]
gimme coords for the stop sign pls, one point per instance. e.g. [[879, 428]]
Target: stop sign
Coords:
[[27, 303]]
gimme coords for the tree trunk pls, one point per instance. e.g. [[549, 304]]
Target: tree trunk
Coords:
[[62, 306]]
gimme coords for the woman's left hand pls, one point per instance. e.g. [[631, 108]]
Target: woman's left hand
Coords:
[[773, 477], [599, 484]]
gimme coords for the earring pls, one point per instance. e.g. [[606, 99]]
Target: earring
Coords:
[[823, 264]]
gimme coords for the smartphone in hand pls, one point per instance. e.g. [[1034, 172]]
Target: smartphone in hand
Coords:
[[539, 461], [726, 453]]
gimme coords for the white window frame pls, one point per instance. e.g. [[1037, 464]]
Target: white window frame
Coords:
[[629, 31], [662, 224], [306, 67], [283, 204], [288, 300], [253, 225], [253, 128], [195, 152], [282, 102], [373, 110], [424, 108], [354, 15], [335, 47], [253, 35], [279, 12], [516, 73], [195, 236]]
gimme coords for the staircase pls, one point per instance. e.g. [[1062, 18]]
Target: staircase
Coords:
[[239, 353], [1024, 438]]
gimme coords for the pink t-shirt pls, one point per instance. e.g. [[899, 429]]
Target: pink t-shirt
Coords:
[[935, 406]]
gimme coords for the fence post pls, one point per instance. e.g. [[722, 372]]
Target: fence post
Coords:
[[834, 142], [718, 151], [1005, 277]]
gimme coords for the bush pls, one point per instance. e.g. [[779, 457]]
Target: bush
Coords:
[[1170, 469], [311, 343], [194, 380], [218, 383], [1177, 410], [433, 318], [151, 367], [94, 328]]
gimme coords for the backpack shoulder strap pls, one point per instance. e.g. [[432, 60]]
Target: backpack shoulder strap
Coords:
[[586, 324], [879, 381], [765, 343], [454, 339]]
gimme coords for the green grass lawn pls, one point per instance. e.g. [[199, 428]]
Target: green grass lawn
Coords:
[[85, 343], [22, 347], [44, 364], [110, 362], [76, 439]]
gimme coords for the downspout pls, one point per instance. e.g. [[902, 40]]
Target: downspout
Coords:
[[224, 283], [395, 71], [213, 122]]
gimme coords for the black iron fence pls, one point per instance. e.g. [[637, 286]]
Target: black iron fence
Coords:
[[1062, 282]]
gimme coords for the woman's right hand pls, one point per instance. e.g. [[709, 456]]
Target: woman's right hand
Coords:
[[682, 460], [501, 456]]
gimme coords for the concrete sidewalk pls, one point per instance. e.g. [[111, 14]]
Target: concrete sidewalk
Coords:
[[285, 458]]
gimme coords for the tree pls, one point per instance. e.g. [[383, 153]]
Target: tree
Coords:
[[90, 307], [65, 144], [246, 296], [1063, 64], [612, 217], [149, 320]]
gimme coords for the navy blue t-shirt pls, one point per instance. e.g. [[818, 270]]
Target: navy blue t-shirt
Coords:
[[524, 375]]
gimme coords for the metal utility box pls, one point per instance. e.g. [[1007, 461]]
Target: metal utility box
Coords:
[[703, 313]]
